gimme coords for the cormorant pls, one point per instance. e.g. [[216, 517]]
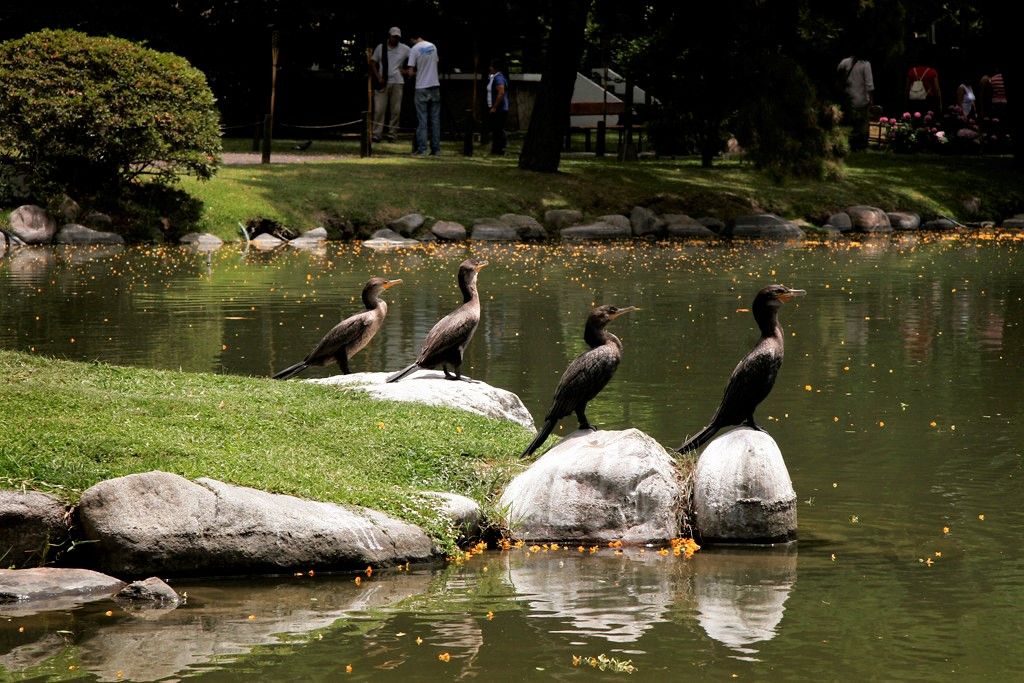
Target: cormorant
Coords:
[[752, 379], [586, 375], [349, 336], [448, 338]]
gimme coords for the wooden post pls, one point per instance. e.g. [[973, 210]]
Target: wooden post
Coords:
[[366, 138], [268, 120], [602, 131]]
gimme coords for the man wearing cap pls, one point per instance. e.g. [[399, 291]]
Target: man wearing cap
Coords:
[[423, 65], [389, 97]]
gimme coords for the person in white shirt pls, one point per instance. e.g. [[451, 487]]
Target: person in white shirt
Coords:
[[387, 98], [422, 63], [860, 88]]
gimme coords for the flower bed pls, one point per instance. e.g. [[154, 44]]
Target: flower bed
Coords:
[[953, 133]]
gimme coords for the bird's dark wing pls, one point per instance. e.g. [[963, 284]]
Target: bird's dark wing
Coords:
[[751, 382], [453, 330], [585, 377], [339, 337]]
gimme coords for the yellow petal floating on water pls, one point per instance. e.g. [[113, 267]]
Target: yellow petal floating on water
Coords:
[[359, 580], [808, 387], [490, 616], [444, 657], [945, 529], [348, 668], [981, 517], [419, 641], [576, 659]]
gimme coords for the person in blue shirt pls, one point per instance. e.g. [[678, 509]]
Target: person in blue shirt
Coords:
[[497, 107]]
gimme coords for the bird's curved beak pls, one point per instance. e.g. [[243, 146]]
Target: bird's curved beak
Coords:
[[791, 294], [391, 283], [480, 266], [621, 311]]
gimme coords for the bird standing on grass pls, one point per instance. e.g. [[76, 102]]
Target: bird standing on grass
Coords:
[[586, 375], [349, 336], [754, 376], [447, 340]]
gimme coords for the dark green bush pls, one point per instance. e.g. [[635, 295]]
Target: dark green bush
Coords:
[[87, 116]]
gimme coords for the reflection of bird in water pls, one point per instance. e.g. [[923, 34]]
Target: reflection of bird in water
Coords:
[[448, 338], [586, 375], [303, 146], [754, 376], [349, 336]]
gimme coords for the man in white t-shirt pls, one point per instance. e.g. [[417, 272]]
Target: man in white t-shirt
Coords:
[[422, 63], [388, 98], [860, 88]]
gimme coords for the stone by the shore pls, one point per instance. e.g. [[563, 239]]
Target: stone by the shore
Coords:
[[742, 490], [556, 219], [30, 522], [868, 219], [386, 238], [3, 243], [1015, 223], [407, 224], [681, 226], [430, 388], [98, 220], [449, 231], [32, 225], [69, 209], [266, 242], [152, 591], [493, 230], [202, 241], [840, 221], [526, 227], [46, 588], [318, 233], [904, 220], [597, 231], [715, 225], [940, 224], [463, 512], [597, 487], [161, 523], [764, 226], [646, 223], [616, 219], [79, 234]]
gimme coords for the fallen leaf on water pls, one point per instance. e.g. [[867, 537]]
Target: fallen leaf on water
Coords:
[[981, 517], [419, 641], [444, 657], [945, 529], [348, 668], [490, 615]]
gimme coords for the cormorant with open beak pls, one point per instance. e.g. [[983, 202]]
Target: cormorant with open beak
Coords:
[[754, 376], [449, 337], [348, 337], [586, 375]]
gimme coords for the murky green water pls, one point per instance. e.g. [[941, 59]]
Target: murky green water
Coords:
[[897, 409]]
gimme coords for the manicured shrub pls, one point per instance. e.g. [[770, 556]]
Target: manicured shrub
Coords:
[[88, 116]]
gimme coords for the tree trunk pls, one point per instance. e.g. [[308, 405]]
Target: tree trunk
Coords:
[[542, 148]]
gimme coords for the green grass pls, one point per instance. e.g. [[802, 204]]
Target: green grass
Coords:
[[369, 192], [71, 425]]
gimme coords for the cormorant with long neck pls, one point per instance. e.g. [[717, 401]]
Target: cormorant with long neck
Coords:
[[586, 375], [348, 337], [752, 379], [447, 340]]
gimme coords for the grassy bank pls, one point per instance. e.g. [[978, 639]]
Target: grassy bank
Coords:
[[71, 425], [369, 192]]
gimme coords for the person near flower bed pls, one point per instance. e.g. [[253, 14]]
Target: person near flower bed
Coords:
[[929, 77], [860, 89]]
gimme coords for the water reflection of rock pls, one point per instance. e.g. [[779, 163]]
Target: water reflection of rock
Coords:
[[741, 594], [77, 255], [615, 597], [30, 264]]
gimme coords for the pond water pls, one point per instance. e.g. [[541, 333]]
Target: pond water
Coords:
[[897, 410]]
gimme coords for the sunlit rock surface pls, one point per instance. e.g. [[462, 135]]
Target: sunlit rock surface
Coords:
[[430, 387], [28, 591], [160, 523], [29, 523], [463, 512], [742, 490], [386, 238], [73, 233], [202, 241], [597, 486], [32, 225]]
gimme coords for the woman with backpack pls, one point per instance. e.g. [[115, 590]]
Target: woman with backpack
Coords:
[[923, 92]]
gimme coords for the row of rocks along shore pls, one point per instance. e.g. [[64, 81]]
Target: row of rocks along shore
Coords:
[[32, 224]]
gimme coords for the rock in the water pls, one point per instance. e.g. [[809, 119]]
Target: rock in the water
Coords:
[[526, 227], [79, 234], [69, 209], [32, 225], [1015, 223], [765, 226], [386, 238], [903, 220], [98, 220], [29, 523], [645, 222], [407, 224], [47, 588], [449, 231], [715, 225], [868, 219], [618, 220], [266, 242], [841, 221], [160, 523], [464, 513], [3, 243], [742, 490], [597, 486], [493, 230], [430, 387], [556, 219], [202, 241], [941, 224], [319, 233], [153, 591], [597, 231], [681, 226]]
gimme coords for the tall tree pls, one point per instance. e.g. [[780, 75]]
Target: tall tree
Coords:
[[542, 148]]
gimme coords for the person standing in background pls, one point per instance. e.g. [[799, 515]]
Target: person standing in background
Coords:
[[388, 99], [422, 63], [860, 89], [497, 106]]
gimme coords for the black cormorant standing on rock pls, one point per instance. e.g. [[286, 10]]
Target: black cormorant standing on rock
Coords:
[[349, 336], [450, 335], [754, 376], [586, 375]]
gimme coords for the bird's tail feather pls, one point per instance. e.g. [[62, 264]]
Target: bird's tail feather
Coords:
[[402, 373], [542, 435], [292, 370], [695, 442]]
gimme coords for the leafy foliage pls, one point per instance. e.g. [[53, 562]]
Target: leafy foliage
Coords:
[[87, 115]]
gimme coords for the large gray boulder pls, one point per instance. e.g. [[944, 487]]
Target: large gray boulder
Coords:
[[840, 221], [765, 226], [32, 225], [464, 513], [715, 225], [742, 490], [556, 219], [681, 226], [904, 220], [868, 219], [41, 589], [616, 219], [29, 523], [149, 592], [449, 231], [201, 241], [386, 238], [646, 223], [311, 239], [941, 225], [493, 230], [161, 523], [79, 234], [3, 243], [430, 388], [527, 227], [266, 242], [597, 487], [597, 231], [1014, 223], [407, 224]]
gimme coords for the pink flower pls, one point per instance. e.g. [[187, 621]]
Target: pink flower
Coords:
[[883, 120], [906, 116], [917, 114], [941, 135]]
